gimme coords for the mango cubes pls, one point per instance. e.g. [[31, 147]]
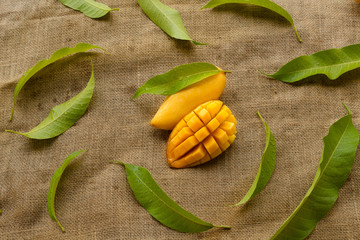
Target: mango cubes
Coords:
[[201, 135]]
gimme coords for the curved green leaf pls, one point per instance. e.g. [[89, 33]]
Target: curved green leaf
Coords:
[[89, 7], [331, 62], [335, 165], [63, 116], [54, 183], [266, 168], [160, 205], [261, 3], [168, 19], [177, 79], [61, 53]]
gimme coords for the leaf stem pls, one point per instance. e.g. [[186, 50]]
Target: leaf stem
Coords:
[[118, 162], [268, 75], [223, 226], [11, 131], [349, 111], [258, 113]]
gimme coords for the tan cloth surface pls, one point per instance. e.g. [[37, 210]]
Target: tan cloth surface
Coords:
[[94, 200]]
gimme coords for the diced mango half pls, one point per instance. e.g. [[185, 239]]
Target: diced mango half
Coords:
[[201, 135]]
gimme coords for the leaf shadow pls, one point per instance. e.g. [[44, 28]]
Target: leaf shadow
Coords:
[[185, 46], [251, 11], [106, 17], [40, 145]]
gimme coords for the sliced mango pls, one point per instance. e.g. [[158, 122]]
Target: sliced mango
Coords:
[[201, 135], [176, 106]]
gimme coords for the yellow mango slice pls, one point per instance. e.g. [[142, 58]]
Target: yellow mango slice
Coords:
[[176, 106], [201, 135]]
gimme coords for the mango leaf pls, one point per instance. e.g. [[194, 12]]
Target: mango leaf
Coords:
[[266, 168], [331, 62], [177, 79], [335, 165], [61, 53], [160, 205], [89, 7], [63, 116], [168, 19], [261, 3], [54, 183]]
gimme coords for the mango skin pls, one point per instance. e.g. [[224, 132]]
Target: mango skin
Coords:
[[201, 135], [176, 106]]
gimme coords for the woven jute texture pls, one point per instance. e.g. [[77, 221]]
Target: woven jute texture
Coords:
[[93, 199]]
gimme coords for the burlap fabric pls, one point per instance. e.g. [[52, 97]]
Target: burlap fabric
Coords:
[[94, 200]]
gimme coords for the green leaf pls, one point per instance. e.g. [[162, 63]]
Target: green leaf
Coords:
[[61, 53], [331, 62], [177, 79], [261, 3], [89, 7], [168, 19], [160, 205], [63, 116], [266, 168], [335, 165], [54, 183]]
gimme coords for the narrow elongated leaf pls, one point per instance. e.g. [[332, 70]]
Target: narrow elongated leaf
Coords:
[[266, 168], [335, 165], [177, 79], [61, 53], [168, 19], [160, 205], [54, 183], [89, 7], [331, 62], [63, 116], [261, 3]]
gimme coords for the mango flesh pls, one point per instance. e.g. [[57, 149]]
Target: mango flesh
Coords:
[[176, 106], [201, 135]]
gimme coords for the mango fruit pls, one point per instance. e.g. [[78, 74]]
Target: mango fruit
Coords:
[[201, 135], [176, 106]]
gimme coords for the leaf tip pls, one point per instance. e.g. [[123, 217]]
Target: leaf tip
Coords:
[[62, 229], [203, 7], [297, 35], [237, 204], [199, 43], [12, 111], [136, 95]]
